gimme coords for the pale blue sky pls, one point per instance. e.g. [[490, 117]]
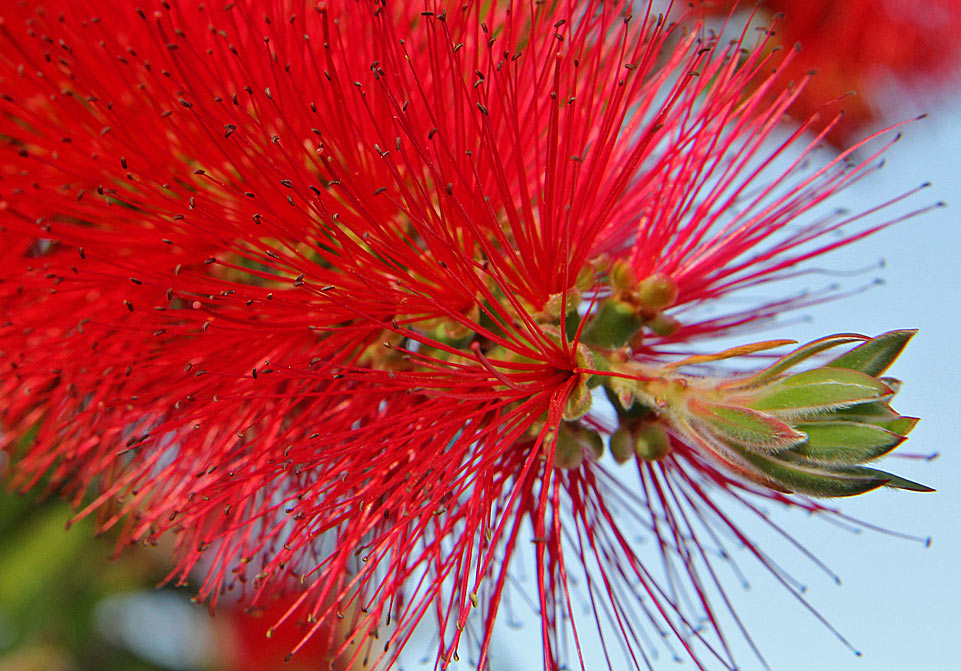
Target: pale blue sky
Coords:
[[900, 602]]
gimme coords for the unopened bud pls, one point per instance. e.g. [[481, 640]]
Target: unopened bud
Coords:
[[613, 325], [652, 443], [657, 292], [555, 305], [567, 451], [663, 325], [574, 443], [593, 443], [622, 445], [585, 277], [622, 276], [579, 401]]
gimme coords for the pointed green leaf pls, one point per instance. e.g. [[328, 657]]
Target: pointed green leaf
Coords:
[[792, 359], [817, 391], [868, 413], [813, 480], [901, 426], [845, 442], [877, 354], [890, 480], [877, 413], [893, 383], [747, 428]]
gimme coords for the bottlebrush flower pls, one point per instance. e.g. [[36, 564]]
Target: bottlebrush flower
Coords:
[[325, 293], [855, 46]]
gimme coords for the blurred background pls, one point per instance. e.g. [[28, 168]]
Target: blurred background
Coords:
[[67, 605]]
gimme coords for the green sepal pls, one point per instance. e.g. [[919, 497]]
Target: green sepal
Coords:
[[622, 276], [877, 354], [580, 399], [819, 390], [613, 325], [663, 325], [563, 302], [645, 440], [593, 443], [746, 428], [845, 442]]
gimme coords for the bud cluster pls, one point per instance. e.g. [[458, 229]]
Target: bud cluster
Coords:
[[805, 431]]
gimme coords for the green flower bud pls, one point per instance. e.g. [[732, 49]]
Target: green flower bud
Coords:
[[622, 276], [613, 325], [622, 445], [663, 325], [651, 442], [657, 292], [568, 453], [579, 401], [574, 443]]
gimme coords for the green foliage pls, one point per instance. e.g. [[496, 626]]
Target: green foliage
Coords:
[[51, 582]]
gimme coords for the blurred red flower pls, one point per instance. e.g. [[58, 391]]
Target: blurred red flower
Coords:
[[856, 46], [305, 286], [247, 640]]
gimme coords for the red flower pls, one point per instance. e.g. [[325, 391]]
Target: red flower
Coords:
[[246, 640], [855, 45], [301, 287]]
